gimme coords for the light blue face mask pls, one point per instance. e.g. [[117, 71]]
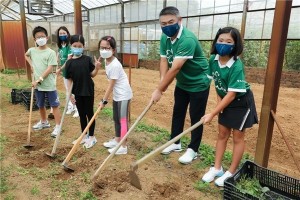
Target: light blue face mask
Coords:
[[77, 51], [224, 49]]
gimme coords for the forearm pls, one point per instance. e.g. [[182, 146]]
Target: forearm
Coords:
[[69, 84], [94, 72], [169, 74], [163, 68], [109, 89], [28, 59], [108, 92], [48, 71], [223, 103], [167, 79]]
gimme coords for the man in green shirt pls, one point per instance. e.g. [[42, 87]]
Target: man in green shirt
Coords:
[[182, 58]]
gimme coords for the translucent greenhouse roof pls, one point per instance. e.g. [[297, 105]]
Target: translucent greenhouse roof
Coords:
[[10, 9]]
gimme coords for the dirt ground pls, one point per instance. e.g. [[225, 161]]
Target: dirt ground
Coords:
[[161, 178]]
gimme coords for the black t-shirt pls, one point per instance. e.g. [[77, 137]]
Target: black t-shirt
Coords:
[[79, 70]]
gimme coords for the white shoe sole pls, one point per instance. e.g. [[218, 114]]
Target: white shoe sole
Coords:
[[37, 129], [209, 181], [109, 146], [167, 153], [89, 146], [123, 153], [185, 163]]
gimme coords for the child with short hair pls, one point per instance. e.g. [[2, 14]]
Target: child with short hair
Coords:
[[122, 93], [236, 107], [42, 59], [80, 70]]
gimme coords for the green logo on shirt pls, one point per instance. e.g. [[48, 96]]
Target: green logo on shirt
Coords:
[[170, 56]]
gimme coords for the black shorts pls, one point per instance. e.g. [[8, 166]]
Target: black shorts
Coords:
[[240, 113]]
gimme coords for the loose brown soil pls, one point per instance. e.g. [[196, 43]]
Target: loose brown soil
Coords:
[[161, 178]]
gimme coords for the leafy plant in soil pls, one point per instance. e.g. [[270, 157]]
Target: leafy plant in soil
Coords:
[[252, 187]]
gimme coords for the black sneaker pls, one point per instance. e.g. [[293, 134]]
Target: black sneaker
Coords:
[[50, 116]]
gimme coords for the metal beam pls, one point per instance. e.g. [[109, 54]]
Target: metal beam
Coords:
[[272, 80], [13, 12], [26, 7], [5, 6], [7, 16], [121, 28], [139, 23]]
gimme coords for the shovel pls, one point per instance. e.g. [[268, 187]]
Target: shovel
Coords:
[[121, 142], [134, 179], [28, 145], [52, 154], [76, 145]]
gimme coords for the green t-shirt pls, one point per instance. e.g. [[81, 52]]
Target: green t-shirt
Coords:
[[41, 59], [192, 76], [229, 77], [64, 52]]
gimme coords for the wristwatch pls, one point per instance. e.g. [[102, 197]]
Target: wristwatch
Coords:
[[104, 102]]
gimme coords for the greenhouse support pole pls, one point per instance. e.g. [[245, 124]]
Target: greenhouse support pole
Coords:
[[272, 80], [244, 18], [25, 38], [78, 17]]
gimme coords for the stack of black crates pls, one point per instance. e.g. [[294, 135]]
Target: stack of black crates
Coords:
[[23, 96]]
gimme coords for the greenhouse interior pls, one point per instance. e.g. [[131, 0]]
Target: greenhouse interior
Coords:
[[136, 28], [270, 33]]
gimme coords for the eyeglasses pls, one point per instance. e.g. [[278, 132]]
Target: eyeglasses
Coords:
[[105, 48]]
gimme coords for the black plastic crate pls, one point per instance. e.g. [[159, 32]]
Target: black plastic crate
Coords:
[[281, 186], [16, 96], [27, 106], [26, 95]]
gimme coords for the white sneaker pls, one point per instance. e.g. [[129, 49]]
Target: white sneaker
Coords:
[[188, 156], [172, 147], [76, 114], [211, 174], [220, 181], [40, 125], [86, 137], [55, 132], [70, 109], [90, 142], [111, 143], [121, 150]]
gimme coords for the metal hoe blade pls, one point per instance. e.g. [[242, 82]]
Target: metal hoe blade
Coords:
[[28, 146], [67, 168], [50, 155], [134, 179]]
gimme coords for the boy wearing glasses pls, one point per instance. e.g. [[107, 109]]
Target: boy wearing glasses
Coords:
[[42, 59]]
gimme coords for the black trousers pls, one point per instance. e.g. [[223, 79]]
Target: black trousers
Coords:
[[197, 104], [85, 107]]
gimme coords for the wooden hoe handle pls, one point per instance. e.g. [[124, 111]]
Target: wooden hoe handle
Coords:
[[76, 145]]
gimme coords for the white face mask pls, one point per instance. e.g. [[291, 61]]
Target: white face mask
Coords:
[[105, 53], [41, 41]]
